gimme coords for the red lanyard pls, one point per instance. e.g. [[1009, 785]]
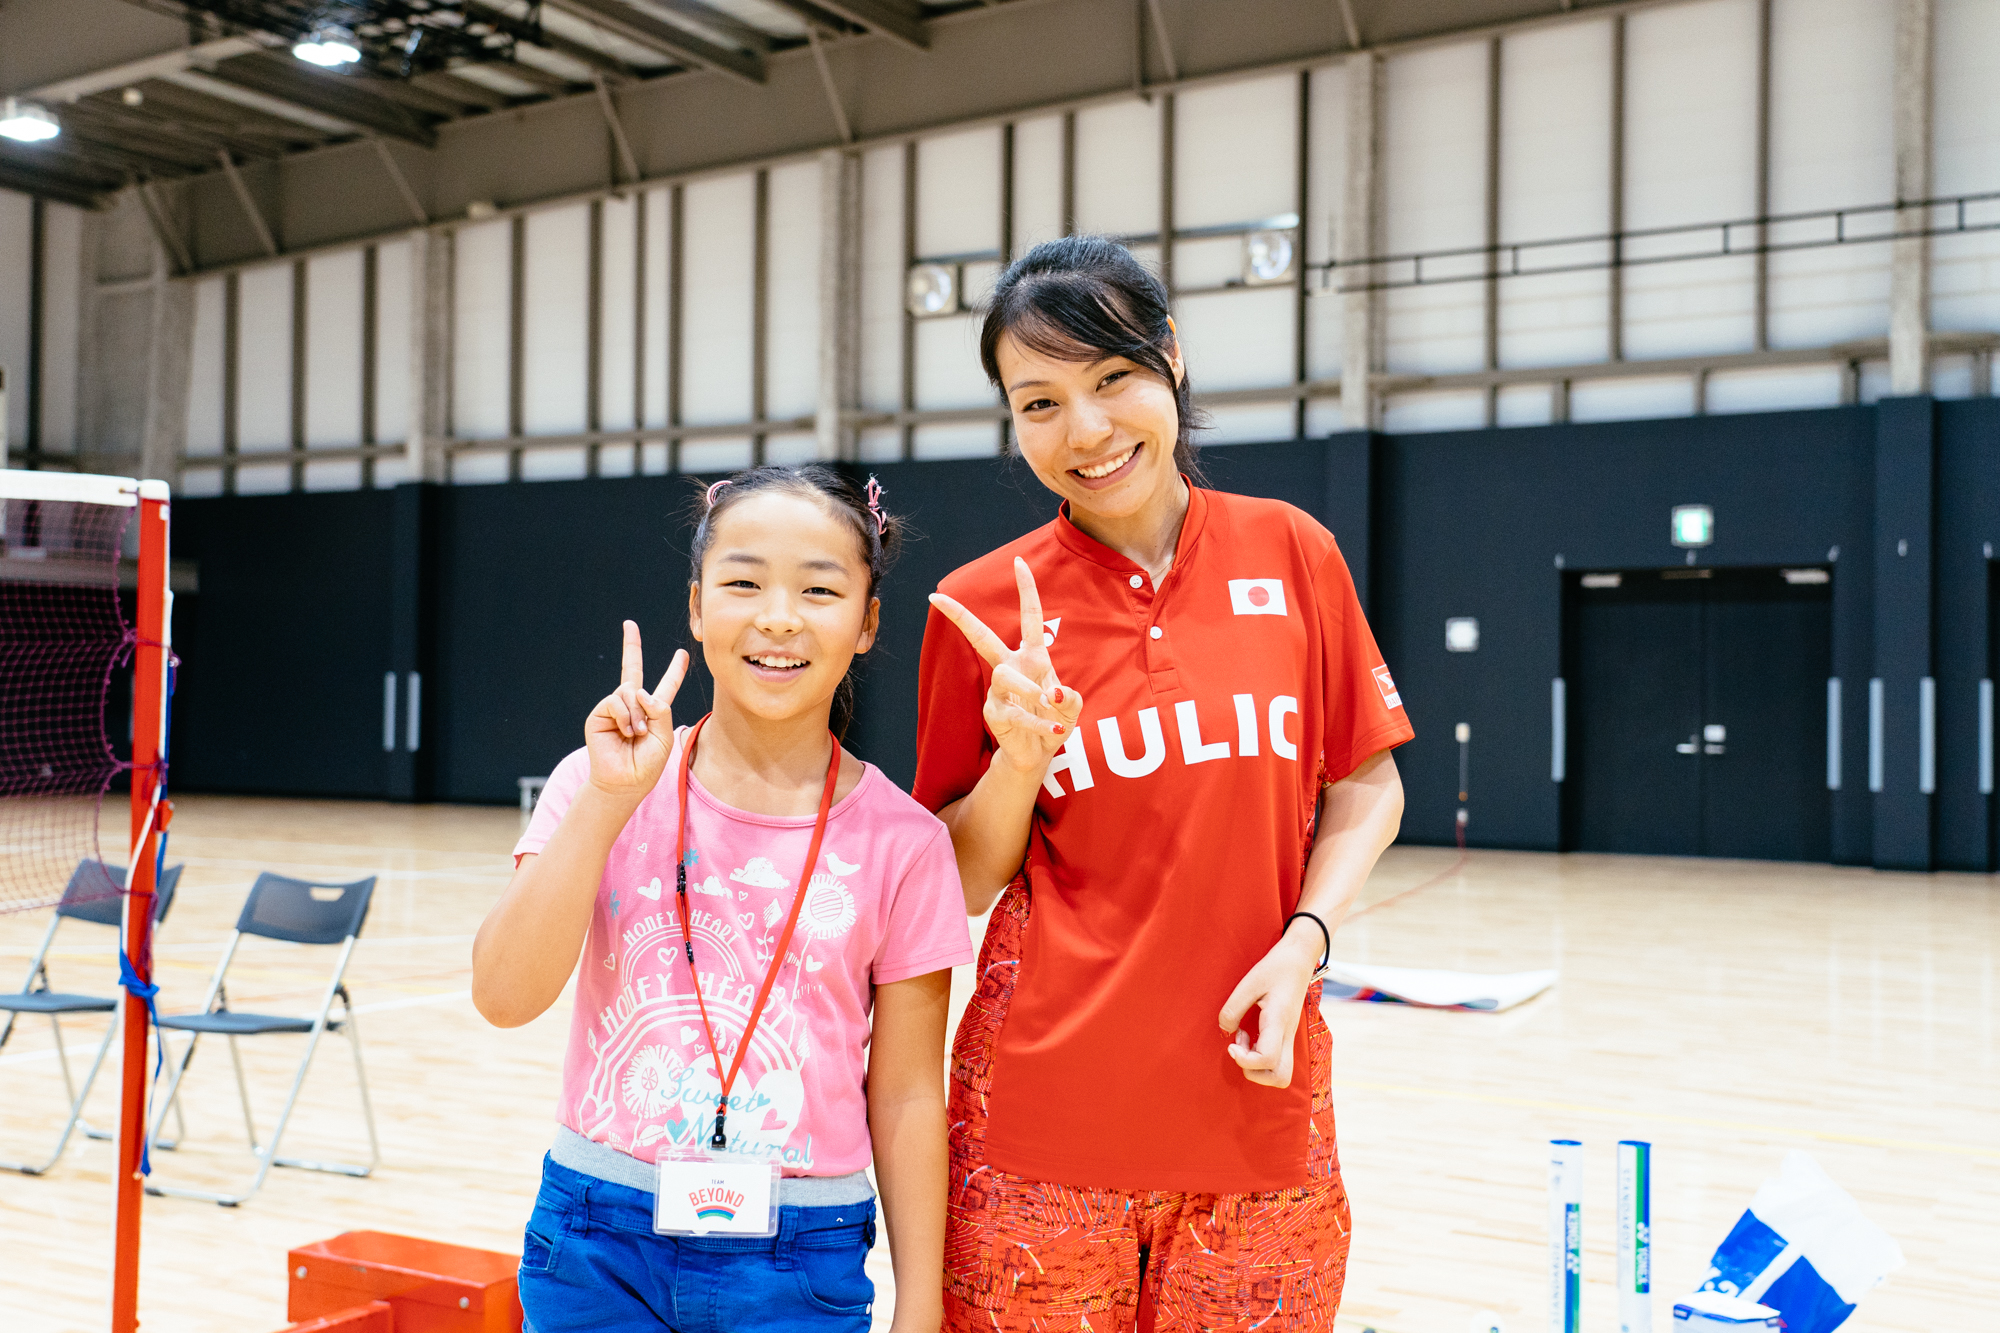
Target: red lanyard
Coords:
[[720, 1140]]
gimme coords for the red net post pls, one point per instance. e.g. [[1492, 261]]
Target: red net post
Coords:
[[151, 658]]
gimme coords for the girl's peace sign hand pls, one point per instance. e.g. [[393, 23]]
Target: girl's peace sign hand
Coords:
[[630, 733], [1029, 711]]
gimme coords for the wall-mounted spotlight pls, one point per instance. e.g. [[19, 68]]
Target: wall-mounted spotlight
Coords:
[[1270, 255], [329, 48], [932, 290], [24, 122]]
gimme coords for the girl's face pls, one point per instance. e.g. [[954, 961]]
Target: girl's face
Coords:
[[1100, 435], [783, 604]]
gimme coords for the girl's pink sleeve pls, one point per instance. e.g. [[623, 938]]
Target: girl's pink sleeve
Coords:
[[927, 930], [557, 793]]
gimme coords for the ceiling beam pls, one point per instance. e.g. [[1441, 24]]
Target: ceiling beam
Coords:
[[137, 71], [874, 15], [664, 38], [609, 65], [207, 85], [43, 182], [728, 25], [192, 114], [463, 91], [343, 97]]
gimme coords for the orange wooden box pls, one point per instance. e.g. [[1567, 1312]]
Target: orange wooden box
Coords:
[[432, 1287], [374, 1317]]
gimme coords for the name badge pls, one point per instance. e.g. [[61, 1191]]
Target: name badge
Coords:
[[716, 1196]]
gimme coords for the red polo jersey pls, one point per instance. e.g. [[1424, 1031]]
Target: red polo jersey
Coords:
[[1170, 836]]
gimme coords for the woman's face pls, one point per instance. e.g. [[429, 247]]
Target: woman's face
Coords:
[[1100, 435], [783, 604]]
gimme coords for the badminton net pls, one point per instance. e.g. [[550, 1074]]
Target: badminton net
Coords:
[[63, 636]]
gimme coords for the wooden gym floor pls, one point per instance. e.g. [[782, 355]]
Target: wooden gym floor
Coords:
[[1727, 1011]]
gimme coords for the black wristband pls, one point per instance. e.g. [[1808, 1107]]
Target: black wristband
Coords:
[[1326, 957]]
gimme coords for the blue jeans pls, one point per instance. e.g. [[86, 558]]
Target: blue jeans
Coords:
[[592, 1261]]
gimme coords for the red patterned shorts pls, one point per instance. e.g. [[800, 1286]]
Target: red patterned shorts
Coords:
[[1028, 1255]]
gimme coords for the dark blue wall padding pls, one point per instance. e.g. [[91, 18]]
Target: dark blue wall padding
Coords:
[[508, 599], [1905, 510]]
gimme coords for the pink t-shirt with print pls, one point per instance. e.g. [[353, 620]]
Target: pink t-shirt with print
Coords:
[[883, 905]]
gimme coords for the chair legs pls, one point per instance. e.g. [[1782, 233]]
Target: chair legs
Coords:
[[76, 1097], [267, 1152]]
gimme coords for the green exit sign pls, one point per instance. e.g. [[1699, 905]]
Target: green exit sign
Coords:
[[1694, 525]]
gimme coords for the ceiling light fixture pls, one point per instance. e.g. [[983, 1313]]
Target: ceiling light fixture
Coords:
[[25, 122], [329, 48]]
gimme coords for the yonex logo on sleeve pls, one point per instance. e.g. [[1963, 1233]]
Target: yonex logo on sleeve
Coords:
[[1049, 627], [1387, 684], [1257, 597]]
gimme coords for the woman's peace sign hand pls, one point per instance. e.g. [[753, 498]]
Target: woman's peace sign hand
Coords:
[[1029, 711], [630, 733]]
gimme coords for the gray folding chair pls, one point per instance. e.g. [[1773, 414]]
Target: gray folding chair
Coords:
[[300, 912], [95, 893]]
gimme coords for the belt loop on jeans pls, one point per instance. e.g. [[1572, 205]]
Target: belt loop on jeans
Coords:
[[868, 1230], [788, 1234]]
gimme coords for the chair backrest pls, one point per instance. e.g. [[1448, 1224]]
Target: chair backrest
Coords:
[[96, 892], [303, 911]]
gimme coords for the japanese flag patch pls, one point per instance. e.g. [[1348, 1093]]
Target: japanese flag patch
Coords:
[[1257, 597], [1387, 684]]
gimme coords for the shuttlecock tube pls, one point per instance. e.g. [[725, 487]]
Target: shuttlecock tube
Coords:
[[1565, 1236], [1635, 1237]]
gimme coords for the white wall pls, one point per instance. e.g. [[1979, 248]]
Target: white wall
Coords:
[[1555, 182], [1965, 270], [15, 226]]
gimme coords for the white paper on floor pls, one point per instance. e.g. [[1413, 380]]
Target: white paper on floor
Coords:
[[1486, 992]]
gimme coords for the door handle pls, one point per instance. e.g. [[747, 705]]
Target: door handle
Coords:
[[1713, 735], [1688, 746]]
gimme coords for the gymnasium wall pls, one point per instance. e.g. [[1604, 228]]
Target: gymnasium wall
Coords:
[[695, 306], [279, 691]]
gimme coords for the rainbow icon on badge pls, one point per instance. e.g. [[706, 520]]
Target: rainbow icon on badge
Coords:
[[715, 1204]]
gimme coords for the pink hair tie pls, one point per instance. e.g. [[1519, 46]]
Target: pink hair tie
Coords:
[[875, 506], [714, 488]]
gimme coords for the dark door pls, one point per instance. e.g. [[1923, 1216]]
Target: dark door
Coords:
[[1637, 682], [284, 645], [1698, 712]]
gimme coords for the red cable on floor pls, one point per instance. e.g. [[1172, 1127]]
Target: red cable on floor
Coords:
[[1438, 878]]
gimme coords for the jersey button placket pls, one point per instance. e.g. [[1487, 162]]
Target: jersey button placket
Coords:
[[1161, 670]]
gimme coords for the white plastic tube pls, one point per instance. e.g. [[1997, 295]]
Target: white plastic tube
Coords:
[[1565, 1236], [1635, 1236]]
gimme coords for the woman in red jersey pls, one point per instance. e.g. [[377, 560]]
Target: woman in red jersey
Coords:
[[1178, 771]]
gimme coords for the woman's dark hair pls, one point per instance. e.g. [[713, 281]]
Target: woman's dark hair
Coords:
[[879, 532], [1082, 299]]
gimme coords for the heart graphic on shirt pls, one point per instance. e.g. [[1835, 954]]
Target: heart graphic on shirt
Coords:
[[748, 922], [814, 964], [688, 1035], [761, 1116], [743, 895], [651, 890], [611, 962], [841, 867]]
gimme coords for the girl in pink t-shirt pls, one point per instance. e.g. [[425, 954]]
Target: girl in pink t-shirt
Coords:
[[766, 927]]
